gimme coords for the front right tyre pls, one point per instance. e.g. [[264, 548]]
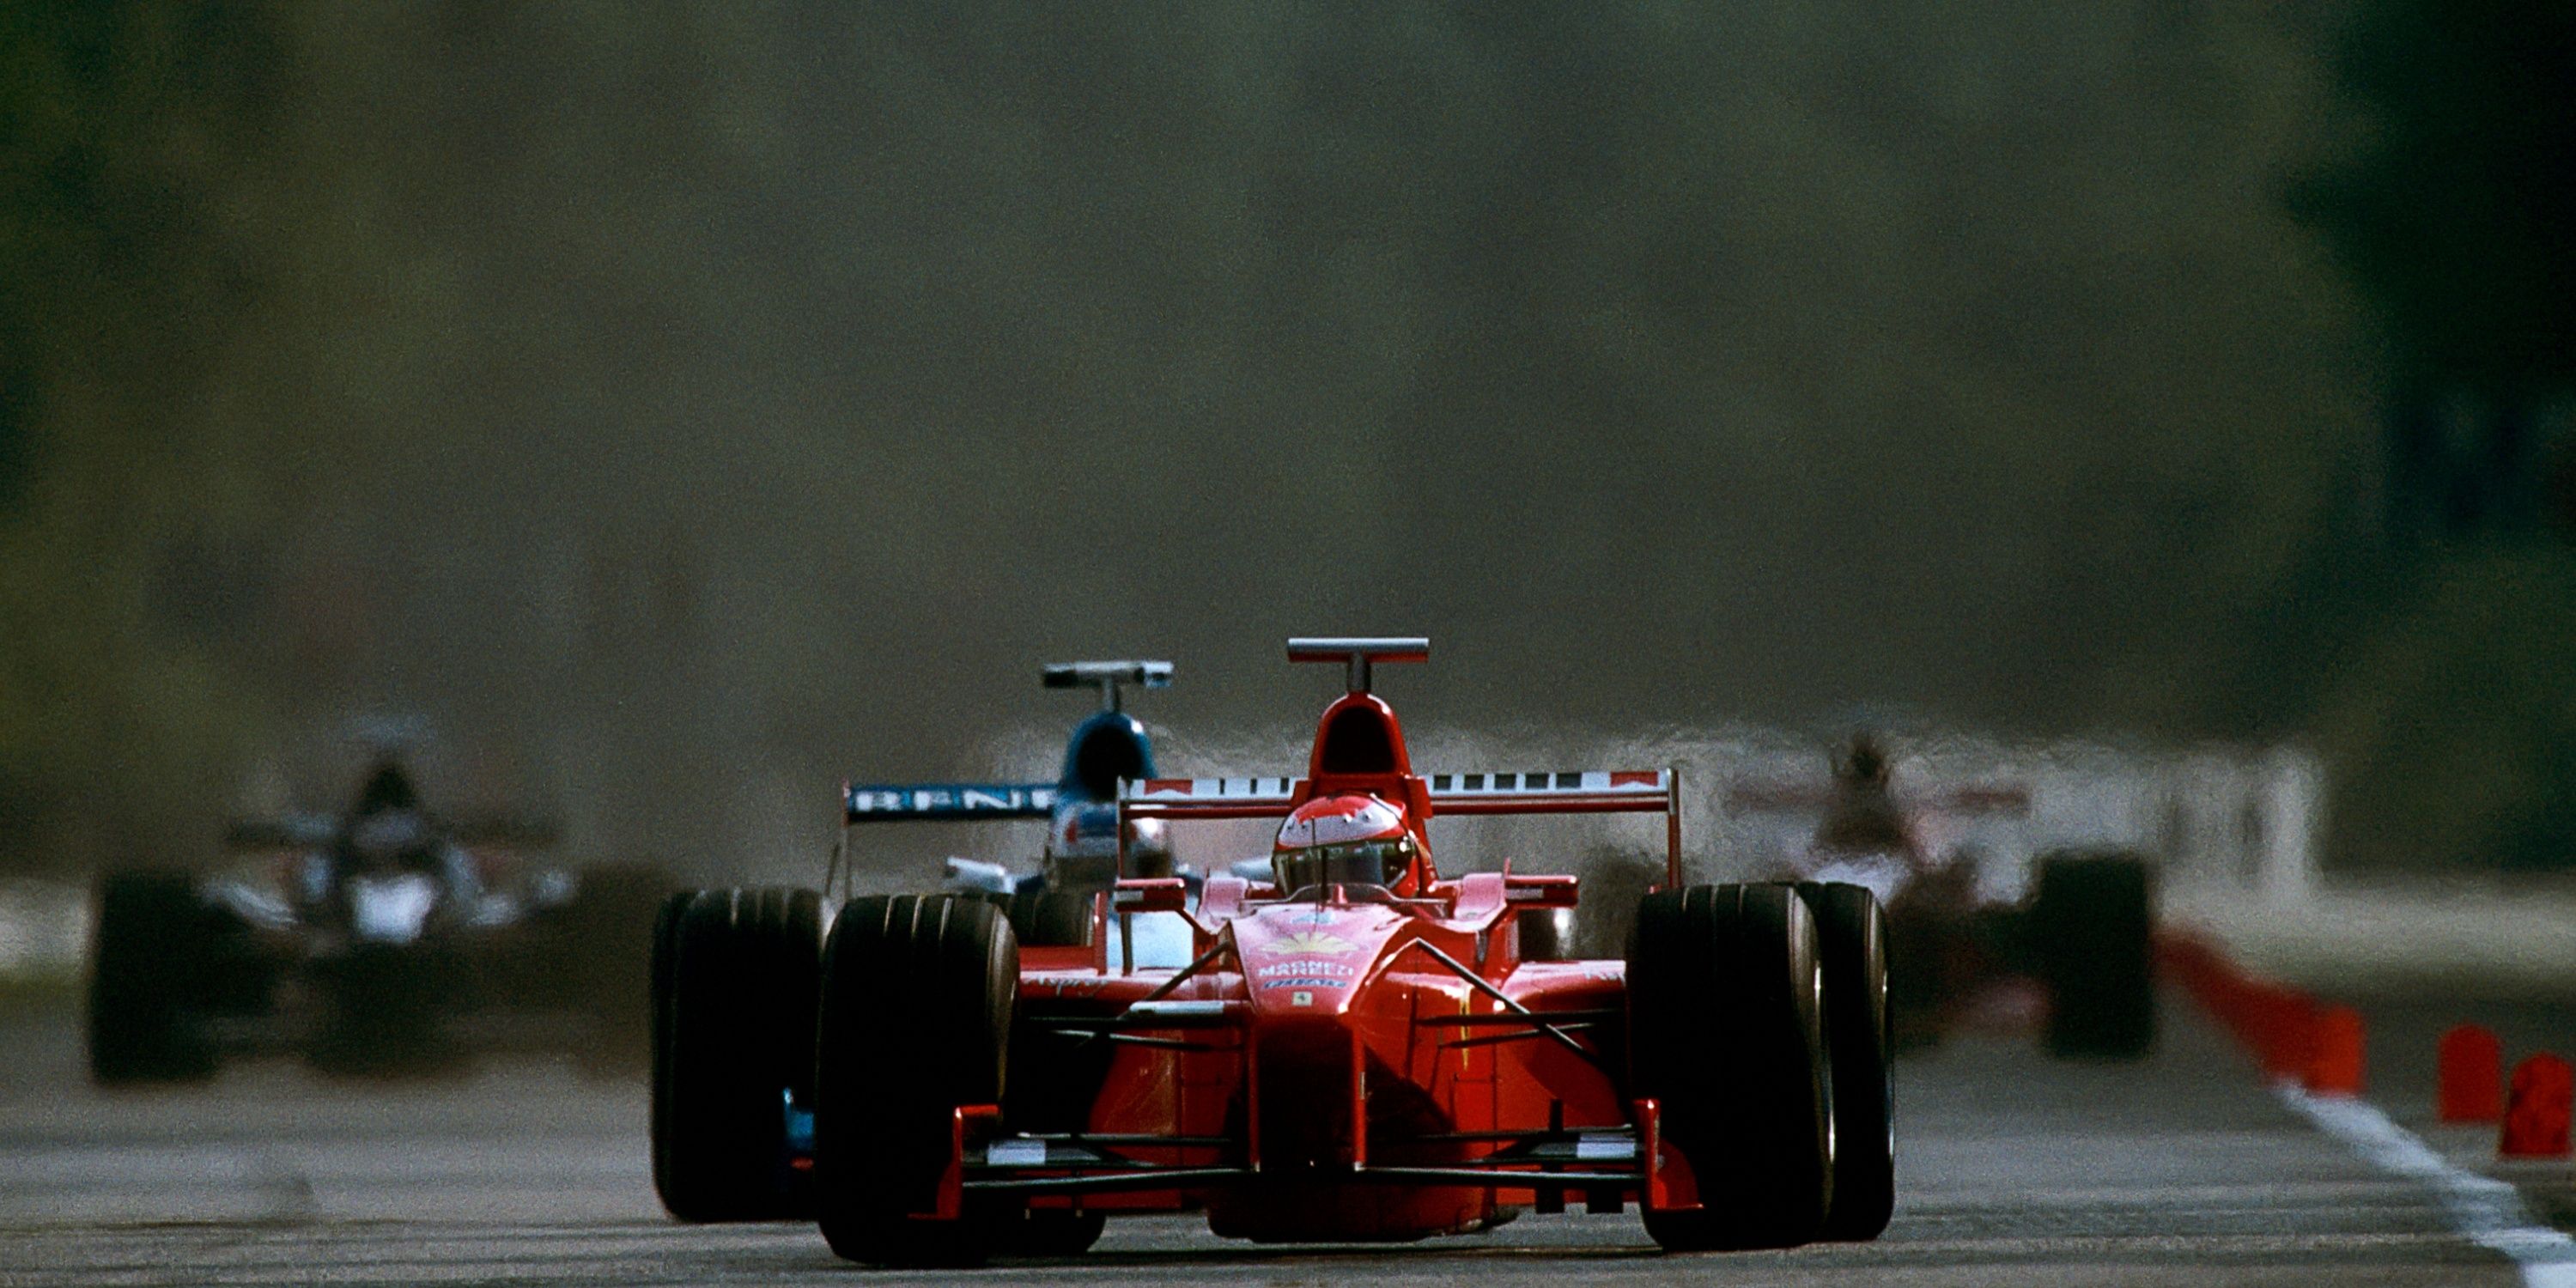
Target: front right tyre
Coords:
[[1726, 1030], [1851, 933]]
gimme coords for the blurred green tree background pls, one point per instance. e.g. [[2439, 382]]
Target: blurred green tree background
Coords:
[[2448, 690], [125, 130], [636, 387]]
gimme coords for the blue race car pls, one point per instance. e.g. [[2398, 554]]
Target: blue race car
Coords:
[[737, 972]]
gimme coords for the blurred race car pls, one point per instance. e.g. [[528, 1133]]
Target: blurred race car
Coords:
[[737, 971], [2082, 932], [380, 941], [1356, 1050]]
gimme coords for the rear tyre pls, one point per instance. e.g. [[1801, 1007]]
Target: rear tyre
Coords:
[[918, 992], [1851, 932], [1726, 1029], [737, 977], [2092, 922], [153, 949], [1046, 919]]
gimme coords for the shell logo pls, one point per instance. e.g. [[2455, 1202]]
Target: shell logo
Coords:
[[1312, 942]]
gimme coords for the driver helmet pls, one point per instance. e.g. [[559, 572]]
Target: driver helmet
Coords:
[[1342, 840], [1862, 761]]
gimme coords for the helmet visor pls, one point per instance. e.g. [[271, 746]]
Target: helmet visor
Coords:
[[1372, 863]]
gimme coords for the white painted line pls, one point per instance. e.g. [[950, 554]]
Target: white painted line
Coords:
[[2486, 1211]]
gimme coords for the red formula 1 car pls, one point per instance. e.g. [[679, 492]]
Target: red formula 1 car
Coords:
[[1358, 1050]]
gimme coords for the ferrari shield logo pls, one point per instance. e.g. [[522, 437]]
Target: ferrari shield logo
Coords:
[[1312, 941], [1301, 997]]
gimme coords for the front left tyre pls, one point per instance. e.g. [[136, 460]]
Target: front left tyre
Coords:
[[918, 993]]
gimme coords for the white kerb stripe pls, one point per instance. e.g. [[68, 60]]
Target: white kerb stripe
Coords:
[[2486, 1211]]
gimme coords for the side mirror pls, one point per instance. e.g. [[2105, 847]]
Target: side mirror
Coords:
[[1150, 894]]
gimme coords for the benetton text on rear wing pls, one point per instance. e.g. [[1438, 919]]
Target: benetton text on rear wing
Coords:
[[944, 802], [1593, 791]]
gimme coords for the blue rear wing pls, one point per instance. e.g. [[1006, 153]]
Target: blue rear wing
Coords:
[[945, 802]]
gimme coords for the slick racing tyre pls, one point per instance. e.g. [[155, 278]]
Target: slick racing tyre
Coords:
[[737, 977], [148, 960], [918, 992], [1045, 919], [607, 949], [2092, 922], [1726, 1030], [1851, 932]]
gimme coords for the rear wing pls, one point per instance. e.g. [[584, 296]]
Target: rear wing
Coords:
[[1108, 675], [944, 802], [1594, 791], [1358, 653]]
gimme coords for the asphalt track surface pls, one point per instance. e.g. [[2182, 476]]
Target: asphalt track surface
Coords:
[[2013, 1170]]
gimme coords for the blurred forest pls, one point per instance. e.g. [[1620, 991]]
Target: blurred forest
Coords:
[[684, 406]]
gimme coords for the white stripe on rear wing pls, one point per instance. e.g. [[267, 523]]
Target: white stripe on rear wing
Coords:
[[1208, 798], [1584, 791], [1591, 791]]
